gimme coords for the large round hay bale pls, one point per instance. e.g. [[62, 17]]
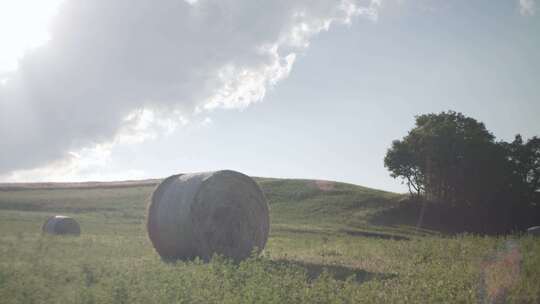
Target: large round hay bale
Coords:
[[60, 224], [534, 231], [202, 214]]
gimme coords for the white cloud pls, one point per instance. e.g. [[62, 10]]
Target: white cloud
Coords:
[[130, 70], [206, 122], [527, 7], [144, 124], [88, 164], [22, 28]]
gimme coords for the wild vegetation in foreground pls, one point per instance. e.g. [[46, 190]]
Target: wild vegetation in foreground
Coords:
[[325, 247]]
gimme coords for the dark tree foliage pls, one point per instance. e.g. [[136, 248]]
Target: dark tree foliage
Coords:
[[524, 159], [452, 160], [402, 162]]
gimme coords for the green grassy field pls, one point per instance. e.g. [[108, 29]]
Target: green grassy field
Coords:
[[323, 248]]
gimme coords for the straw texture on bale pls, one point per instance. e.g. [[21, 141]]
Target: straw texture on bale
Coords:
[[202, 214], [534, 230], [60, 224]]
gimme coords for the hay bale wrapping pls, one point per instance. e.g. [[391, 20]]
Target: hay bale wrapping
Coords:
[[535, 230], [61, 225], [202, 214]]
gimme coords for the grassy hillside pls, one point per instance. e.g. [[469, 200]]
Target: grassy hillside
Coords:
[[323, 248]]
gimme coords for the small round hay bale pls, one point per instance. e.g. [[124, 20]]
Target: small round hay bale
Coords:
[[60, 224], [202, 214], [535, 230]]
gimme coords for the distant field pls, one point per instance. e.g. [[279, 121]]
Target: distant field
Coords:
[[81, 185], [324, 247]]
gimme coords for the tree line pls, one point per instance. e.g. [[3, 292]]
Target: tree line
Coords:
[[451, 162]]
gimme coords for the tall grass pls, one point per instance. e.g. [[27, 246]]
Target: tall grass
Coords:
[[322, 249]]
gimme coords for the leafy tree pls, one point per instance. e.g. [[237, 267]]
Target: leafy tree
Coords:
[[443, 157], [482, 184], [524, 161], [402, 161]]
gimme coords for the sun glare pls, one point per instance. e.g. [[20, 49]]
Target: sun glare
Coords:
[[23, 25]]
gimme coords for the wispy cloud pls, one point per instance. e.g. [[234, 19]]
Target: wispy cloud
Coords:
[[527, 7]]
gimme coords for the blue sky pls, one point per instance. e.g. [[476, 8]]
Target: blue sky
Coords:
[[353, 90]]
